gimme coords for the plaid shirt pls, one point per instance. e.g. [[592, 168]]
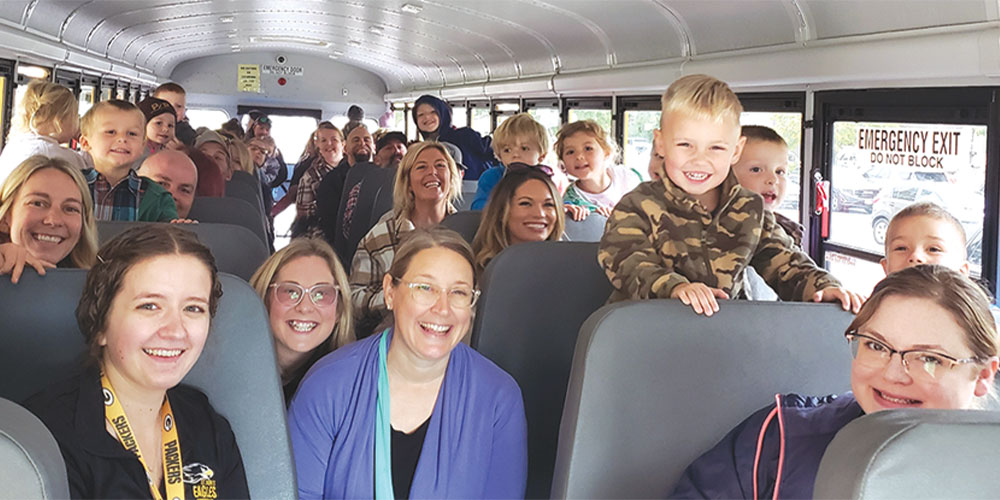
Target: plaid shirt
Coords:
[[305, 196], [372, 260], [118, 202]]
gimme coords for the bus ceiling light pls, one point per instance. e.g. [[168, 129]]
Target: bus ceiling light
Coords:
[[377, 30], [411, 8], [32, 71], [290, 39]]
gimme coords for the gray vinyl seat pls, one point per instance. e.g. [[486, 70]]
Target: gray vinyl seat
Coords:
[[31, 465], [535, 297], [468, 194], [227, 210], [654, 385], [237, 370], [373, 201], [236, 250], [465, 223], [913, 454], [246, 187], [589, 229]]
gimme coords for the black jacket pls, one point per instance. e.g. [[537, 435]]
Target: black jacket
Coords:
[[99, 466]]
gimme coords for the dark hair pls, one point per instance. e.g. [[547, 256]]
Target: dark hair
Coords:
[[170, 87], [355, 113], [234, 128], [763, 134], [121, 254]]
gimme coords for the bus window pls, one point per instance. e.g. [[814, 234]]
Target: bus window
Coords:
[[398, 119], [106, 94], [504, 110], [481, 117], [879, 168], [340, 121], [601, 116], [459, 115], [120, 93], [206, 117], [638, 138], [789, 126], [855, 273], [546, 113], [86, 98], [291, 133]]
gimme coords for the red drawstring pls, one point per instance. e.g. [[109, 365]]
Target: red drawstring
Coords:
[[760, 445]]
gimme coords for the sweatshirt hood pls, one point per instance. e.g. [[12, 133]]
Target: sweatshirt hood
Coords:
[[442, 108]]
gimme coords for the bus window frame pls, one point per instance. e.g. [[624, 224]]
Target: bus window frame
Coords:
[[106, 83], [495, 113], [68, 79], [938, 105], [479, 103], [6, 114], [599, 103]]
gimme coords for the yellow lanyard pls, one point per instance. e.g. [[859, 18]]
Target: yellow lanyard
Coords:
[[172, 465]]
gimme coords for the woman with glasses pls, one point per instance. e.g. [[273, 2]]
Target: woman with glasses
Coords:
[[430, 416], [925, 339], [524, 206], [301, 286], [426, 186]]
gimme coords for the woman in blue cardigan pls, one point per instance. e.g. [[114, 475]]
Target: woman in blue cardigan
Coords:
[[413, 412]]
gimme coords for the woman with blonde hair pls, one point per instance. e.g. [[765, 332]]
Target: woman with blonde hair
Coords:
[[524, 206], [46, 218], [47, 116], [305, 290], [427, 184]]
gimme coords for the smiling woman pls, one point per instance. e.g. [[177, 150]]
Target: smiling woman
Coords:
[[436, 410], [46, 218], [939, 323], [145, 314], [427, 184]]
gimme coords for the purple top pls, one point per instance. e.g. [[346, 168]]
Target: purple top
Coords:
[[476, 444]]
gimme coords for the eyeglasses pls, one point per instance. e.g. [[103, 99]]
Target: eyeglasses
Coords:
[[545, 169], [874, 353], [290, 294], [426, 294]]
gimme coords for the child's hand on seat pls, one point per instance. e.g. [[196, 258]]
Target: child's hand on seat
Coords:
[[576, 212], [850, 301], [605, 211], [701, 297]]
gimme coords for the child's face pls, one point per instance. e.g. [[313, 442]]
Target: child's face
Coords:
[[921, 239], [697, 153], [161, 128], [178, 101], [762, 169], [116, 138], [522, 149], [427, 118], [583, 156]]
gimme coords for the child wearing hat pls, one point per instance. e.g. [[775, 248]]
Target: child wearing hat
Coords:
[[160, 122]]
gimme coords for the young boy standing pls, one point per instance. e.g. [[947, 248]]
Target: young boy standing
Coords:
[[692, 235], [113, 132], [763, 169]]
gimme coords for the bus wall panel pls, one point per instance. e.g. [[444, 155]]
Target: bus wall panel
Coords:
[[211, 82]]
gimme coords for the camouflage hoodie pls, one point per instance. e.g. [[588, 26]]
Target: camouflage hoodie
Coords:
[[659, 237]]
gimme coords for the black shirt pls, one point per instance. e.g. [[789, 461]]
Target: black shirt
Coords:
[[405, 453], [97, 464]]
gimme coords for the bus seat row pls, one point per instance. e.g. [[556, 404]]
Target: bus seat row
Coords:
[[535, 298], [30, 463], [374, 199], [237, 370], [245, 186], [466, 223], [236, 250], [227, 210]]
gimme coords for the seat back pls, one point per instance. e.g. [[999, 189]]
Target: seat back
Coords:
[[654, 385], [468, 195], [365, 214], [246, 187], [535, 297], [31, 465], [229, 211], [465, 223], [589, 229], [236, 250], [237, 370], [913, 453]]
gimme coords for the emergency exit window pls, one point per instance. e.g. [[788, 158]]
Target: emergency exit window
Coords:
[[879, 168]]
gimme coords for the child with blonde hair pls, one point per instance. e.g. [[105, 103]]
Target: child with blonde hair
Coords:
[[47, 116], [925, 233], [519, 139], [588, 155], [692, 235]]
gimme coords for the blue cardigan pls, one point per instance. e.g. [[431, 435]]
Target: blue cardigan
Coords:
[[476, 443]]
